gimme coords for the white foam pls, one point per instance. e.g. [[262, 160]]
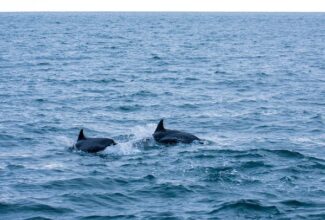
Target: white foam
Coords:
[[217, 140], [65, 141], [138, 134], [306, 140], [51, 166], [141, 132], [122, 149]]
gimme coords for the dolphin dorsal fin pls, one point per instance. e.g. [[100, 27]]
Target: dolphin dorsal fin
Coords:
[[160, 126], [81, 135]]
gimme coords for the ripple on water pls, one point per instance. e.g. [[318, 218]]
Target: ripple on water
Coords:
[[104, 217], [165, 190], [99, 199], [33, 208], [255, 165], [78, 183], [255, 94], [246, 208]]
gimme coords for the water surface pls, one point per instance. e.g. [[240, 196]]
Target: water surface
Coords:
[[252, 85]]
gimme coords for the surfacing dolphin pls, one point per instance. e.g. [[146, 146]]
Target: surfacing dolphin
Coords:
[[92, 145], [166, 136]]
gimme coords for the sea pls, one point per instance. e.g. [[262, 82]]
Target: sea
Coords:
[[250, 85]]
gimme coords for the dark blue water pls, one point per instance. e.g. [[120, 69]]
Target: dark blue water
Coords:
[[251, 85]]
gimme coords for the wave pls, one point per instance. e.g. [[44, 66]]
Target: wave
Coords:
[[34, 207], [105, 217], [246, 206], [255, 164], [165, 190], [297, 203], [286, 153], [77, 183]]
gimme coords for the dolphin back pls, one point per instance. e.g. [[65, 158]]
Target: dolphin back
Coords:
[[166, 136], [92, 145]]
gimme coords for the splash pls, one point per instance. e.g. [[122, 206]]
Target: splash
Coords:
[[140, 137], [142, 132]]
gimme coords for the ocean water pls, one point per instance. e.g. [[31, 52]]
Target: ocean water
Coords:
[[251, 85]]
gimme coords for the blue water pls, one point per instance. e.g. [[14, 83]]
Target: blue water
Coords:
[[251, 85]]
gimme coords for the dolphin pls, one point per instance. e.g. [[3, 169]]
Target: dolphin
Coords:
[[166, 136], [92, 145]]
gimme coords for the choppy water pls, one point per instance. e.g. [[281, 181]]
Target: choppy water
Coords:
[[253, 85]]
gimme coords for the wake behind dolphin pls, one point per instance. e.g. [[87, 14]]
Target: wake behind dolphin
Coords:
[[166, 136], [92, 145]]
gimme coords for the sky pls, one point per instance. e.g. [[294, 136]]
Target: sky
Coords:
[[164, 5]]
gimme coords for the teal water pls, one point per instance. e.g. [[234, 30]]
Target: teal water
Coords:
[[251, 85]]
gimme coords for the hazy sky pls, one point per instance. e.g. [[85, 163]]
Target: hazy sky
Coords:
[[162, 5]]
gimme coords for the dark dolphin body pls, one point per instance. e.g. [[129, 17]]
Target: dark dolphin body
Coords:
[[166, 136], [92, 145]]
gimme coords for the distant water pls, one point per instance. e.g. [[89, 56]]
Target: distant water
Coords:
[[252, 85]]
